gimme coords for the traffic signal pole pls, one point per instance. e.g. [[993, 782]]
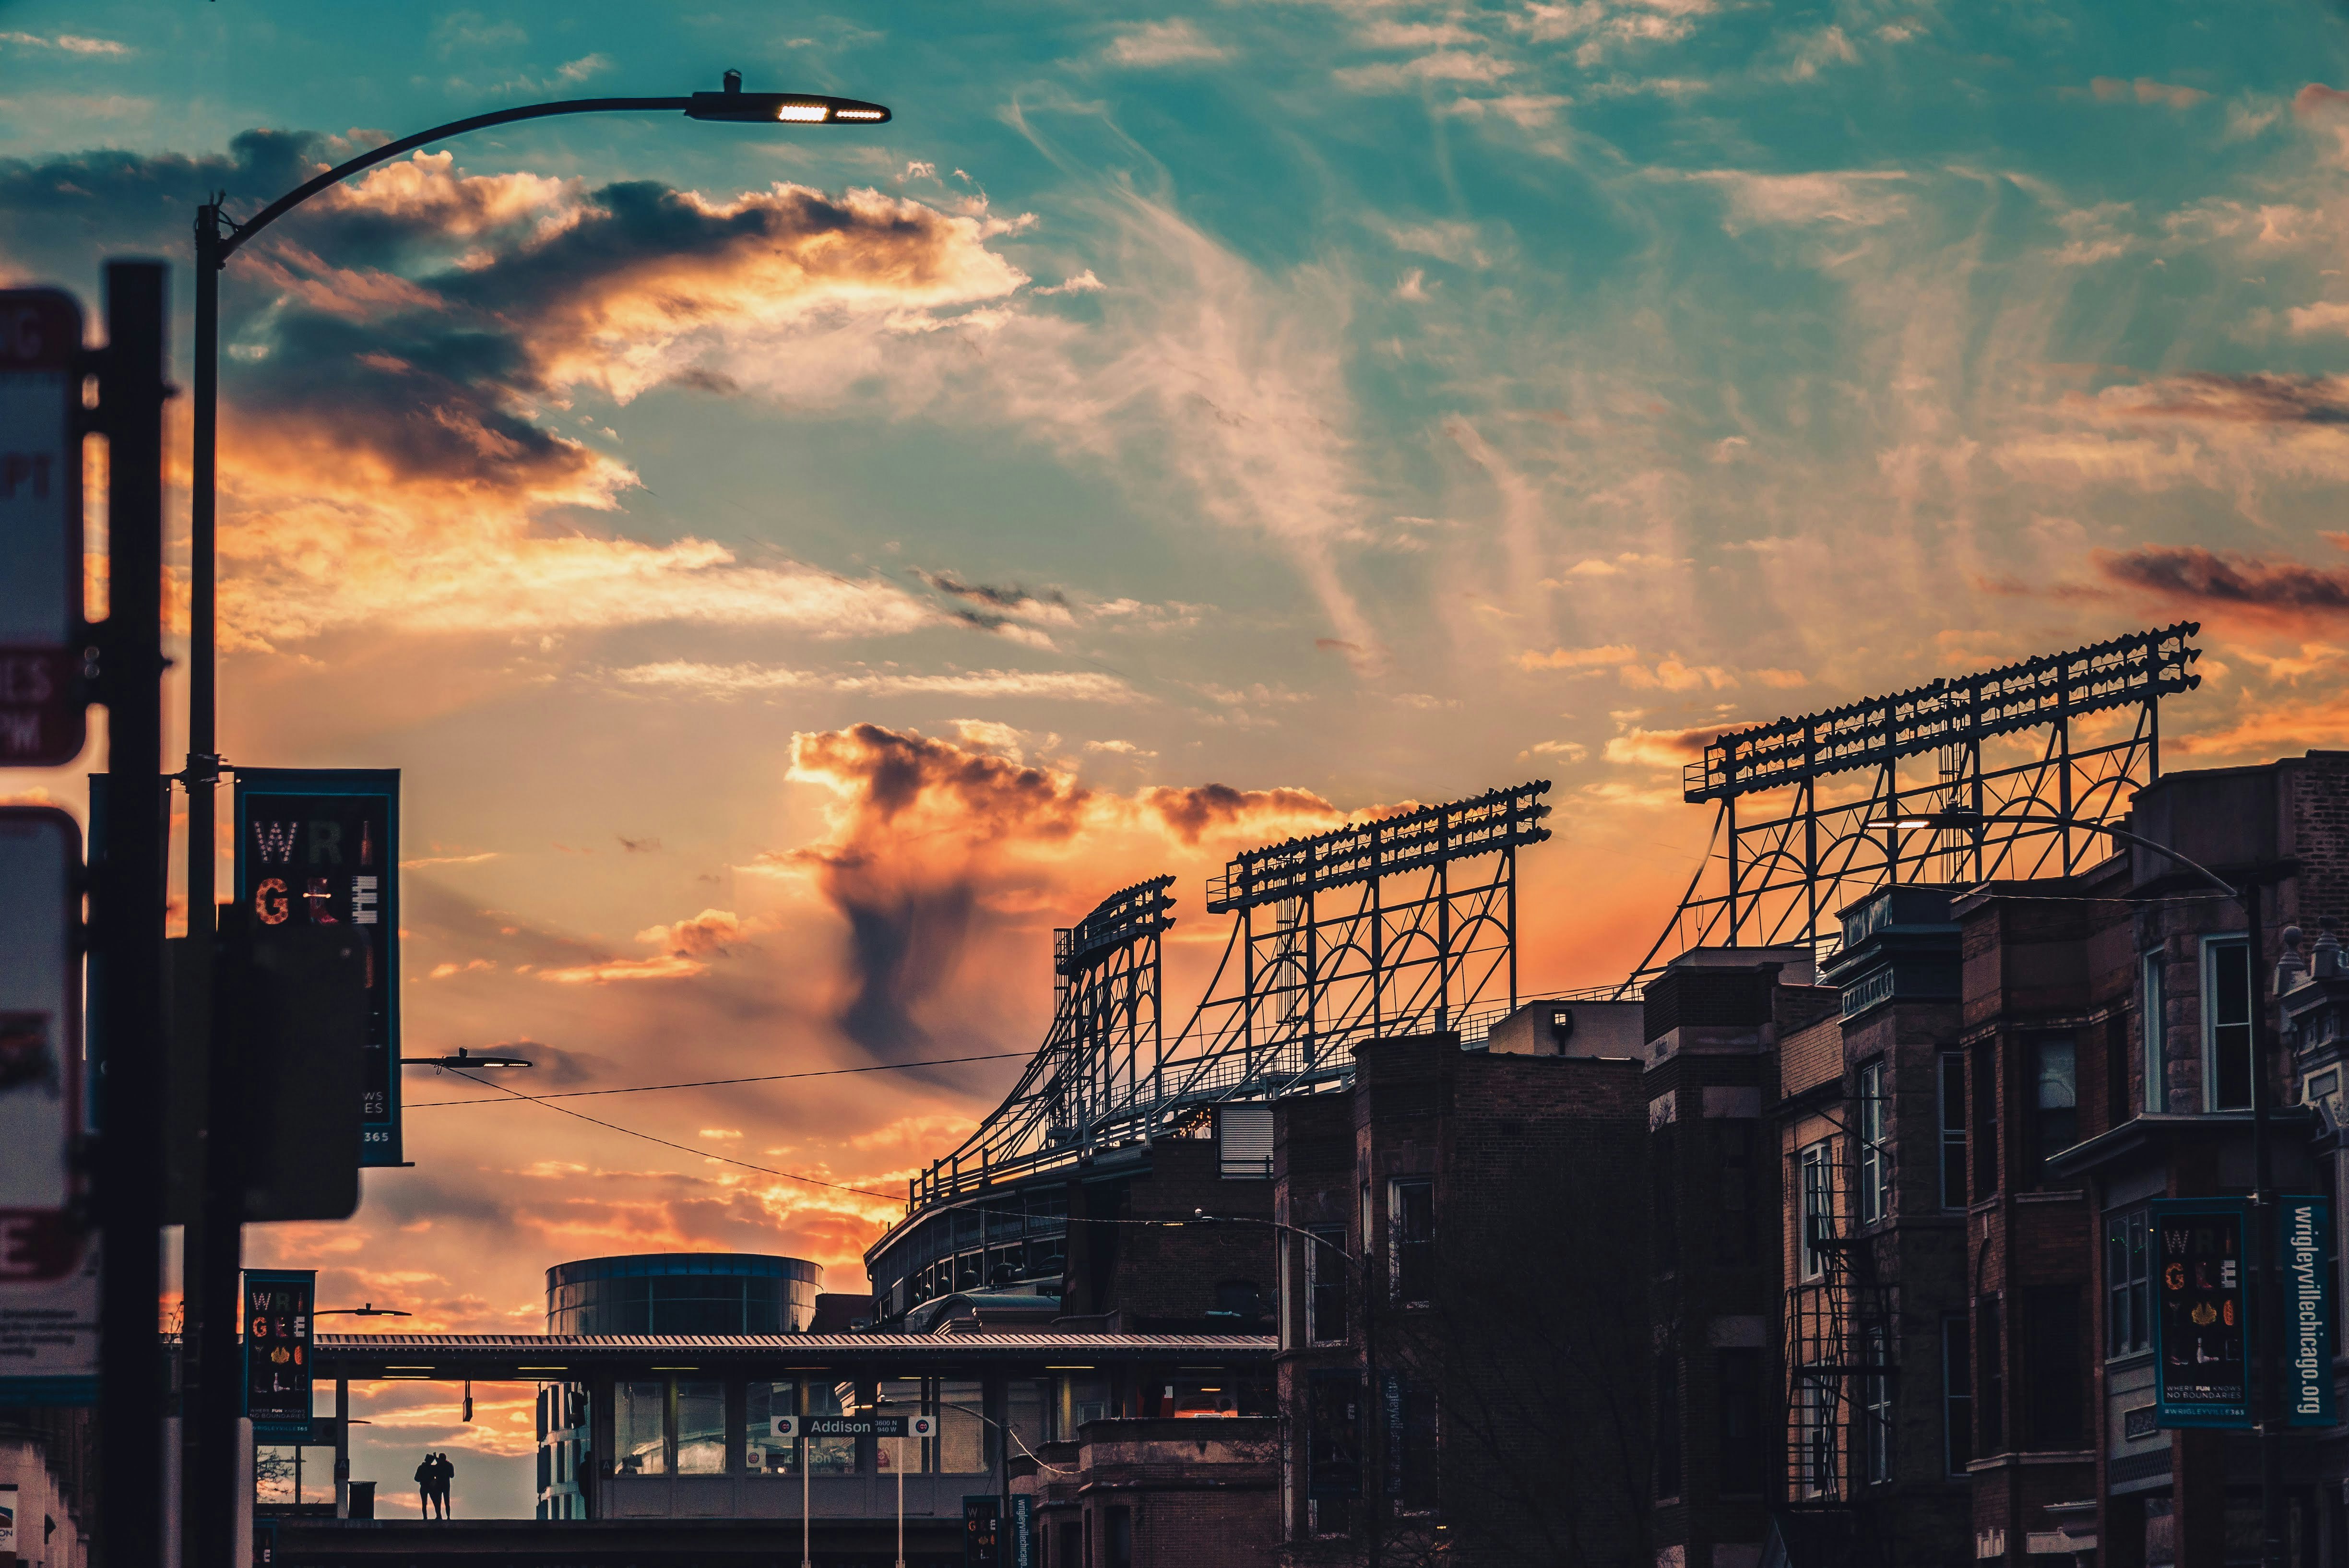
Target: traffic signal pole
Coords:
[[127, 911]]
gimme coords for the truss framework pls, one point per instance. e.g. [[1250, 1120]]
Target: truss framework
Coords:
[[1806, 806], [1400, 925]]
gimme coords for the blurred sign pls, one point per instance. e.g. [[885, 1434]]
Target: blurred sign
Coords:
[[278, 1314], [2201, 1281], [783, 1427], [921, 1426], [2303, 1229], [40, 1043], [321, 848], [8, 1516], [42, 716]]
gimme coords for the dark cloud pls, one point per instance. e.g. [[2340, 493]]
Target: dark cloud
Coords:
[[906, 867], [1013, 597], [2260, 399], [1193, 810], [2194, 575]]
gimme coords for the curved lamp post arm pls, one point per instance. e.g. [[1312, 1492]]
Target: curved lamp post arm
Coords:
[[239, 233]]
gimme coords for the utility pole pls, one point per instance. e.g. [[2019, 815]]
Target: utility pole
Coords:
[[128, 910], [2267, 1314]]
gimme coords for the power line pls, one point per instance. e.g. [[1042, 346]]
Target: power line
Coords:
[[684, 1149], [714, 1083]]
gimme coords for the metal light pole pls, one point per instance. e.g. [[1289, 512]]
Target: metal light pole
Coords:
[[213, 1244]]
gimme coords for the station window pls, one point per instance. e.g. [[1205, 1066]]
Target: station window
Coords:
[[700, 1428], [1816, 1178], [640, 1427]]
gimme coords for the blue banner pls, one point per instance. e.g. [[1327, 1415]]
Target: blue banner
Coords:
[[2303, 1248], [2201, 1317]]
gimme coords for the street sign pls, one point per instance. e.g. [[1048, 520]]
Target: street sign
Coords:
[[43, 719], [40, 1043], [2303, 1229], [783, 1427], [851, 1425], [321, 847], [2201, 1314], [279, 1305], [921, 1426]]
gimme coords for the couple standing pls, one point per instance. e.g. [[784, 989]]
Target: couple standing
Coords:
[[432, 1478]]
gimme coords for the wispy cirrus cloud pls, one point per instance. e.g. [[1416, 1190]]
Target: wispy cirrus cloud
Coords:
[[725, 680], [1178, 42]]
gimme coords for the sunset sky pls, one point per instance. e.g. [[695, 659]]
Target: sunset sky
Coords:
[[797, 568]]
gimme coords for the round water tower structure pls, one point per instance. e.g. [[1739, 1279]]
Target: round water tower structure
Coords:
[[683, 1292]]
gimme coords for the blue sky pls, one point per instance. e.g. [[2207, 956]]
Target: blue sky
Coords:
[[1340, 403]]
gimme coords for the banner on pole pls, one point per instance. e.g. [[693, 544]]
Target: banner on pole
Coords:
[[279, 1307], [2304, 1232], [321, 847], [2201, 1319]]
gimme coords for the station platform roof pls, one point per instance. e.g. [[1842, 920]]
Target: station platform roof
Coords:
[[526, 1357]]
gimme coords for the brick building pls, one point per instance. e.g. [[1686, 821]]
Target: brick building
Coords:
[[1160, 1491]]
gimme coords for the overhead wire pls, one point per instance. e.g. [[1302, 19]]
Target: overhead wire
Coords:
[[684, 1149], [715, 1083]]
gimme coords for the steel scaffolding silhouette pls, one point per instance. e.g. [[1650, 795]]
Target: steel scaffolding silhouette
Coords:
[[1400, 924], [1806, 807]]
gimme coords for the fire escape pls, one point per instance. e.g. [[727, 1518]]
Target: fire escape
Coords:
[[1841, 1355]]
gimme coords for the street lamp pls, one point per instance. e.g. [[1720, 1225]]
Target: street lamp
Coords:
[[2271, 1424], [213, 1242], [461, 1061]]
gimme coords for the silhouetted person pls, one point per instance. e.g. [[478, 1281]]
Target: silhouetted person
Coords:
[[444, 1472], [427, 1478]]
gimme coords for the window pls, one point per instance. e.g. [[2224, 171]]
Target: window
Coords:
[[1818, 1208], [2154, 1009], [1240, 1298], [1984, 1137], [2128, 1321], [1333, 1443], [2053, 1346], [700, 1428], [1414, 1435], [1956, 1395], [1410, 1207], [962, 1430], [829, 1456], [1875, 1404], [640, 1427], [2227, 1024], [1733, 1225], [1071, 1551], [1952, 1109], [1740, 1377], [1325, 1284], [1668, 1423], [2055, 1097], [1121, 1537], [1875, 1146], [1990, 1372], [1815, 1437], [1663, 1175], [915, 1456], [1024, 1400]]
